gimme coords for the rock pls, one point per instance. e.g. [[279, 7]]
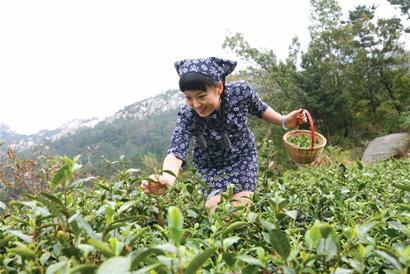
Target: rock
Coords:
[[382, 148]]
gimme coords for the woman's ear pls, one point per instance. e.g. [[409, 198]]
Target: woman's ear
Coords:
[[220, 87]]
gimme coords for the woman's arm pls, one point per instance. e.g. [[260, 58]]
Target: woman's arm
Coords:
[[291, 120], [272, 116], [173, 164]]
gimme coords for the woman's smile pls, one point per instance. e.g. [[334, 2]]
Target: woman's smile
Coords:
[[203, 102], [201, 110]]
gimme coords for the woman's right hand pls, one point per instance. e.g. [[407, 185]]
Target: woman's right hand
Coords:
[[159, 184]]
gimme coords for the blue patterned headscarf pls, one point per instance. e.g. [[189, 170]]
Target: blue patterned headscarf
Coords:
[[213, 67]]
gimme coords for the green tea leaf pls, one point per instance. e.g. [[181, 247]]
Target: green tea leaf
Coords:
[[389, 258], [20, 235], [60, 267], [292, 213], [143, 253], [137, 235], [405, 187], [280, 243], [71, 251], [228, 242], [340, 270], [229, 258], [267, 225], [249, 260], [56, 201], [126, 206], [79, 182], [83, 269], [327, 247], [325, 229], [115, 265], [64, 174], [199, 260], [24, 252], [398, 225], [104, 248], [312, 237], [364, 228], [54, 208], [101, 185], [5, 240], [87, 228], [168, 247], [175, 224], [146, 269], [234, 226]]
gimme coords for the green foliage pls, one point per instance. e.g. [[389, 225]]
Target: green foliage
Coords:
[[175, 225], [404, 6], [322, 219], [354, 76]]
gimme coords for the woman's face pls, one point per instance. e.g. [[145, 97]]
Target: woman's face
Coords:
[[204, 102]]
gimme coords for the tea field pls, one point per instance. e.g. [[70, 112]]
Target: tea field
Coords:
[[338, 219]]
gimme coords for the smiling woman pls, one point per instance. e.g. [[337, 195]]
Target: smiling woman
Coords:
[[216, 117]]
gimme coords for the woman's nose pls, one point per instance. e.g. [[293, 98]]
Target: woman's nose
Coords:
[[196, 103]]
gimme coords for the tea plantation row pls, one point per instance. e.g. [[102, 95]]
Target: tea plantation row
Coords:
[[340, 219]]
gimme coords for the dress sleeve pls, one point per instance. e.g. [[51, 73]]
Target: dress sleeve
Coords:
[[255, 104], [183, 133]]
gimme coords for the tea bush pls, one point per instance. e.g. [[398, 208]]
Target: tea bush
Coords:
[[338, 219]]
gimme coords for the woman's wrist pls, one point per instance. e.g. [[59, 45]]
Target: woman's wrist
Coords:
[[170, 179], [283, 122]]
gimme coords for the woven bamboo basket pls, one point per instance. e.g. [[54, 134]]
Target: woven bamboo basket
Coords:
[[303, 155]]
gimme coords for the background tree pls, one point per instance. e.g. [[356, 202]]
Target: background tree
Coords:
[[354, 76], [404, 6]]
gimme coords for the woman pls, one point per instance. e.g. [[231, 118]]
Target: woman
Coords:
[[216, 116]]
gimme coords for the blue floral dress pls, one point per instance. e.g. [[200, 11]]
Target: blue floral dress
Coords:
[[220, 167]]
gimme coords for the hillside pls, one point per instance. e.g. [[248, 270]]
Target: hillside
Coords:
[[138, 129]]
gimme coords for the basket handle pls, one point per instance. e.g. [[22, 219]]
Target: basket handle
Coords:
[[312, 128]]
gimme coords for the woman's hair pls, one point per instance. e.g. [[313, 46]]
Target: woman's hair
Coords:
[[196, 81]]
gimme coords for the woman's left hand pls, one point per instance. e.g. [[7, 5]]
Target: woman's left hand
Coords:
[[295, 118]]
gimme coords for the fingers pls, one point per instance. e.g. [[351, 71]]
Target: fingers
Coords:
[[159, 187], [146, 186], [163, 180], [152, 188], [154, 177], [301, 116]]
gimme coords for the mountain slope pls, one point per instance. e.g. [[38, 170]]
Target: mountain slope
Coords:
[[142, 128]]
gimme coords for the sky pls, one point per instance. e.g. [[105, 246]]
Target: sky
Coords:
[[79, 59]]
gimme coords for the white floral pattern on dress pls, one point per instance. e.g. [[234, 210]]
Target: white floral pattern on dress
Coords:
[[218, 167]]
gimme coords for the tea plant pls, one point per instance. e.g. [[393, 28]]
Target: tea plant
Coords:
[[303, 141], [338, 219]]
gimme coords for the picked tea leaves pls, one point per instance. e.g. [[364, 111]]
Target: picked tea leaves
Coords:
[[303, 141]]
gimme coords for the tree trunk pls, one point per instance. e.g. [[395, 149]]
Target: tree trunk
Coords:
[[390, 94]]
